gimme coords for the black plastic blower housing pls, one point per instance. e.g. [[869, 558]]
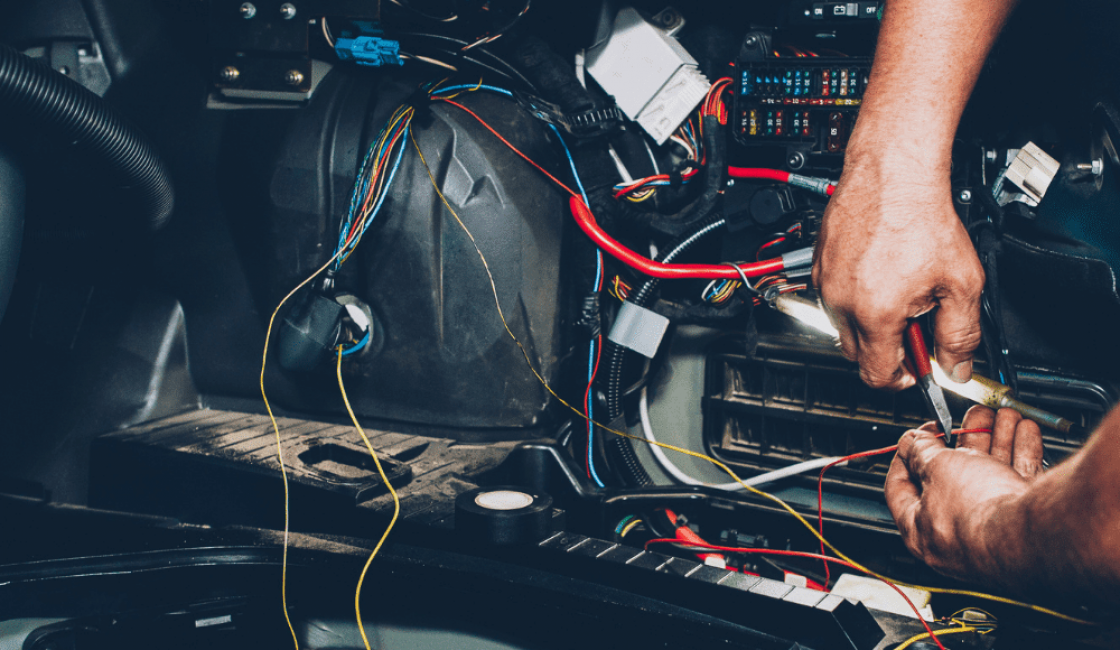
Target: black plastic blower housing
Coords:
[[446, 360]]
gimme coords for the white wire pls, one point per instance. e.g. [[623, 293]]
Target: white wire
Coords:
[[754, 481]]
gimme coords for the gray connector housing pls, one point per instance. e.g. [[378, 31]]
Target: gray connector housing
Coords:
[[653, 79]]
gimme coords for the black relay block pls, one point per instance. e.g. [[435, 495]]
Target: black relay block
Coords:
[[805, 100]]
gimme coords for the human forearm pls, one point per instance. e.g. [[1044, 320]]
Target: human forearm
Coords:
[[1061, 537], [891, 246], [927, 60]]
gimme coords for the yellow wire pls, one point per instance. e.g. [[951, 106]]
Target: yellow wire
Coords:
[[782, 504], [949, 630], [279, 444], [629, 527], [280, 448], [385, 480]]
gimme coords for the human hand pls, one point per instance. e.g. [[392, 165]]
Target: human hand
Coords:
[[892, 248], [943, 500]]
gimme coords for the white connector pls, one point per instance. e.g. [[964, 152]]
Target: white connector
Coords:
[[653, 79], [1032, 170]]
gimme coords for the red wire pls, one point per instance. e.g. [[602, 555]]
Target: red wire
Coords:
[[509, 144], [587, 223], [686, 534], [587, 398], [758, 255], [812, 556], [862, 454], [765, 174]]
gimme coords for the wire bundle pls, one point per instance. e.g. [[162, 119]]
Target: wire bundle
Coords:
[[689, 136], [372, 184]]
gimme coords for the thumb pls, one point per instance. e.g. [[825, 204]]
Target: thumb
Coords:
[[918, 447]]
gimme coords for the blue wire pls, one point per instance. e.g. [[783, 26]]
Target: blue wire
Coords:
[[357, 346], [598, 273], [591, 348], [495, 89], [380, 200]]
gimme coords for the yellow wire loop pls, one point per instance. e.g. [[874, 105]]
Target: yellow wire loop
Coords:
[[766, 495], [385, 480], [918, 637]]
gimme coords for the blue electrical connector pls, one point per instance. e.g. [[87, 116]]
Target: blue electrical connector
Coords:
[[369, 50]]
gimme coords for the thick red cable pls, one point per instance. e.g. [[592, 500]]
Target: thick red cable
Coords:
[[587, 223], [762, 173], [805, 555]]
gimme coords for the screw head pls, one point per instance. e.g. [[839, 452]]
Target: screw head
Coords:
[[990, 155], [965, 196], [731, 182], [751, 41], [796, 160], [293, 78], [229, 73], [287, 11], [247, 10]]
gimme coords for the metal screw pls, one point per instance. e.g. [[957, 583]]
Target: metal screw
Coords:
[[287, 11], [248, 10], [965, 196], [751, 41], [990, 155], [1095, 167], [796, 160], [293, 78], [64, 69], [731, 182], [229, 73]]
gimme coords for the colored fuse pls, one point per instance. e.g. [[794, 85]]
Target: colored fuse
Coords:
[[778, 118], [788, 82], [834, 82], [805, 130], [824, 82], [837, 132], [753, 120], [769, 122], [843, 82], [746, 86], [795, 123], [797, 83]]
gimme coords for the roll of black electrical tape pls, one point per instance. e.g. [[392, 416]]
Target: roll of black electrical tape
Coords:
[[503, 515]]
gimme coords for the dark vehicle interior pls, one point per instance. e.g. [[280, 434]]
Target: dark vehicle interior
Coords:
[[488, 324]]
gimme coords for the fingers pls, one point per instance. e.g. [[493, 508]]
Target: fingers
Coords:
[[880, 352], [1026, 453], [977, 417], [1003, 435], [903, 496], [956, 330]]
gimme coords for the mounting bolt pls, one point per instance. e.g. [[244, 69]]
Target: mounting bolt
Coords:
[[731, 182], [965, 196], [248, 10], [990, 155], [287, 11], [751, 41], [796, 160], [1095, 167], [293, 78], [229, 73]]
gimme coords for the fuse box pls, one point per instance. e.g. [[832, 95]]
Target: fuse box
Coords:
[[810, 100]]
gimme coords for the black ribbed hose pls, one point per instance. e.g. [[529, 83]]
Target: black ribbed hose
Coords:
[[32, 91], [622, 450]]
